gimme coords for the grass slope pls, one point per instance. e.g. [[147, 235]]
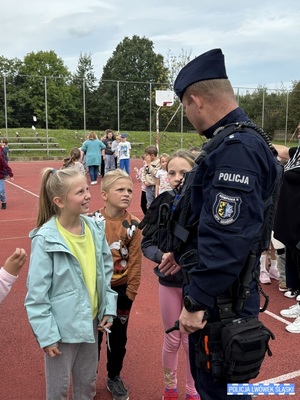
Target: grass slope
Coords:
[[67, 139]]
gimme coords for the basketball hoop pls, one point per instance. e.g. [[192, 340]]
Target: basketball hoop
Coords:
[[164, 98]]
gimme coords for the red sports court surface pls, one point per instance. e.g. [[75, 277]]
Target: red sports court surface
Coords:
[[21, 360]]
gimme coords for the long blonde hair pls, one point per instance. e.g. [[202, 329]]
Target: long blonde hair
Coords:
[[54, 183], [186, 154]]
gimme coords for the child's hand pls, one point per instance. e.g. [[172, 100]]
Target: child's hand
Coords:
[[52, 351], [168, 265], [15, 262], [135, 169], [104, 324], [147, 159]]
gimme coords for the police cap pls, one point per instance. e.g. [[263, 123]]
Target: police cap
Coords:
[[209, 65]]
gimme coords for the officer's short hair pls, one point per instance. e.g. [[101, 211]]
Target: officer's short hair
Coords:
[[212, 89]]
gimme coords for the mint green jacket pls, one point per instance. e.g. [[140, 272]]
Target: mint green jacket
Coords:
[[57, 301]]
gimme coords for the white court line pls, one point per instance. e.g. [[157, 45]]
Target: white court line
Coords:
[[283, 378], [277, 317], [290, 375], [20, 187]]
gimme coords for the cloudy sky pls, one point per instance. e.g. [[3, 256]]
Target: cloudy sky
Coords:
[[260, 39]]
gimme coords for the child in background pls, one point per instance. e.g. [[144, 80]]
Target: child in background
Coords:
[[268, 268], [82, 154], [74, 160], [124, 239], [92, 148], [138, 175], [149, 172], [170, 288], [162, 181], [10, 271], [114, 147], [108, 155], [69, 295], [123, 150], [4, 171], [5, 148]]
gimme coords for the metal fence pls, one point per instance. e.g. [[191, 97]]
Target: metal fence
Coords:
[[60, 101]]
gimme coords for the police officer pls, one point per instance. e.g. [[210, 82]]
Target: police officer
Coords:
[[227, 201]]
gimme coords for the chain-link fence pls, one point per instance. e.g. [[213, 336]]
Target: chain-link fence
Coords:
[[63, 103]]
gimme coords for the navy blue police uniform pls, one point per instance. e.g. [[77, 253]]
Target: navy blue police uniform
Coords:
[[227, 205]]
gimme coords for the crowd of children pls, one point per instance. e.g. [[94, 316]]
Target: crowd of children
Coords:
[[170, 287], [99, 260], [100, 257]]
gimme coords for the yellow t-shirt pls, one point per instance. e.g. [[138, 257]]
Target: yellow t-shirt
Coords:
[[82, 247]]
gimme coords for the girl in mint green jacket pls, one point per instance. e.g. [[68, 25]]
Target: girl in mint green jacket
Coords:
[[69, 296]]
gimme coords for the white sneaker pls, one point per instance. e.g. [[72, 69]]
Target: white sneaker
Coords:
[[292, 312], [264, 277], [298, 297], [274, 273], [292, 293], [294, 327]]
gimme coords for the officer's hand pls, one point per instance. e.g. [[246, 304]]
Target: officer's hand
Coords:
[[168, 265], [191, 322]]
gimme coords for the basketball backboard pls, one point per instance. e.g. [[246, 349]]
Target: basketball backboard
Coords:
[[164, 98]]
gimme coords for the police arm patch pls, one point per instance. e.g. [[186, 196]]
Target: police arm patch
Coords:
[[226, 209]]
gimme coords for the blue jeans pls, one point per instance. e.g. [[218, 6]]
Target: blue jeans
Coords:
[[125, 164], [93, 171], [2, 191]]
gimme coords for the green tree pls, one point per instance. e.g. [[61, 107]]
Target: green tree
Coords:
[[294, 101], [174, 63], [85, 86], [126, 78], [8, 70], [267, 108], [43, 75]]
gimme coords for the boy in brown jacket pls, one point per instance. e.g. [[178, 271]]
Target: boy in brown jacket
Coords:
[[149, 172]]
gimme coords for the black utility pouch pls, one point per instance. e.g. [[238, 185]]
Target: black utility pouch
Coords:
[[233, 351], [209, 354], [245, 342]]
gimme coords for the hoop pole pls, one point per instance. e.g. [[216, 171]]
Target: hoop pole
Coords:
[[157, 128]]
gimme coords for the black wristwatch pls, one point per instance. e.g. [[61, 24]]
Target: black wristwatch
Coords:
[[191, 306]]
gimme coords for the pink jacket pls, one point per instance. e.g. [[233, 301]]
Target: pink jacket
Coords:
[[6, 282]]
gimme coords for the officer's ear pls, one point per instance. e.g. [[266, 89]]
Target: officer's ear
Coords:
[[198, 100]]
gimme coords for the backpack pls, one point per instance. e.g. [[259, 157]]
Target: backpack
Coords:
[[174, 232], [159, 210]]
